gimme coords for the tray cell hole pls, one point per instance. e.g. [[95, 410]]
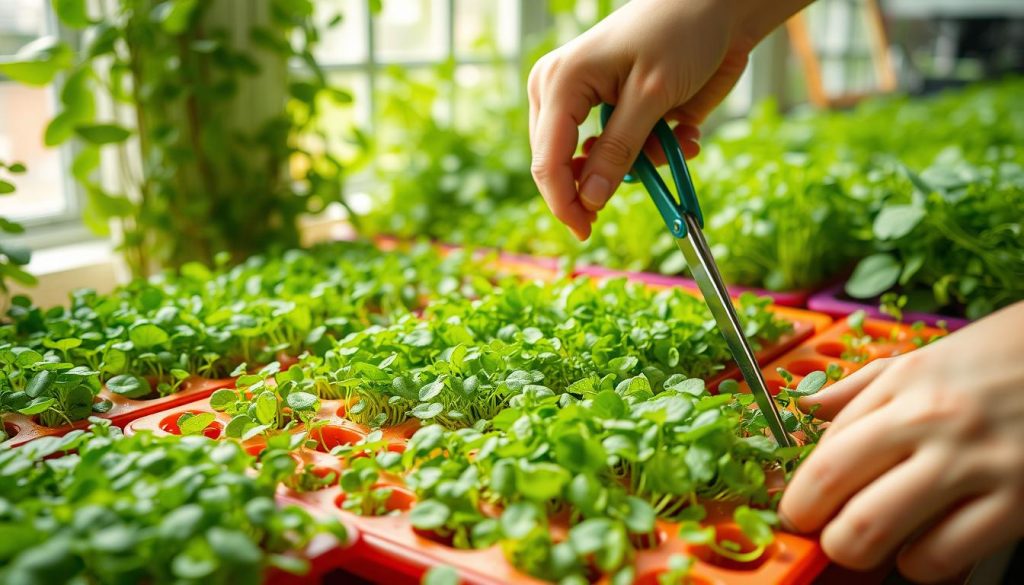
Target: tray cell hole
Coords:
[[885, 332], [834, 349], [774, 385], [331, 436], [804, 367], [11, 430], [400, 499], [731, 533], [651, 578], [648, 541], [169, 424]]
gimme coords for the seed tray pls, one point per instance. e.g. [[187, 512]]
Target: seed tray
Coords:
[[796, 299], [390, 550], [832, 302], [22, 429], [833, 346]]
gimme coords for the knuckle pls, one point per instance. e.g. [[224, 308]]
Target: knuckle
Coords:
[[540, 170], [614, 149]]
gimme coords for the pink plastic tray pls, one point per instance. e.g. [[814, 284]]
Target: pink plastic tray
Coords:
[[831, 302]]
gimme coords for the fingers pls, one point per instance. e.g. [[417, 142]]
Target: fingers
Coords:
[[687, 135], [611, 157], [882, 516], [839, 468], [557, 110], [970, 533], [833, 399]]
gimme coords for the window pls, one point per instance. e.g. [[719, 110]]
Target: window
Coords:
[[44, 194], [481, 40]]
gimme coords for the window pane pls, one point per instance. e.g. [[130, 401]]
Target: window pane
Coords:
[[345, 42], [485, 29], [337, 121], [24, 112], [411, 30], [21, 21], [481, 91]]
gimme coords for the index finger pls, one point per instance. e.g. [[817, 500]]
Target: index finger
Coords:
[[560, 111]]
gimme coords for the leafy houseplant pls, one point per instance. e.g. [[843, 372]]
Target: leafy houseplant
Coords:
[[204, 133], [12, 257]]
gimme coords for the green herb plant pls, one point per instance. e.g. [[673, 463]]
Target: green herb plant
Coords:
[[97, 507], [202, 168]]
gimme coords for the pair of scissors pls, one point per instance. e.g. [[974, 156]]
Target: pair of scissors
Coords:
[[686, 222]]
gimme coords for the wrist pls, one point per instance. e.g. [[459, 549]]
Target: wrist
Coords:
[[753, 20]]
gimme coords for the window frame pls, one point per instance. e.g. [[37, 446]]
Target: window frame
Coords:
[[64, 227]]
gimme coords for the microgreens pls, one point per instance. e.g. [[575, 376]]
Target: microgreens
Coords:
[[187, 510]]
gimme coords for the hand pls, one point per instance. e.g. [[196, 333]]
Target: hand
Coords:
[[676, 59], [925, 455]]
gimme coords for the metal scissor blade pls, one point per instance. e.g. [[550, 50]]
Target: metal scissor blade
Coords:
[[705, 272]]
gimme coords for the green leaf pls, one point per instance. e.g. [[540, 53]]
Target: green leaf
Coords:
[[302, 401], [519, 519], [195, 424], [756, 524], [266, 408], [36, 406], [233, 546], [811, 383], [147, 335], [38, 62], [129, 386], [429, 515], [222, 399], [19, 255], [174, 15], [426, 411], [896, 221], [441, 575], [72, 13], [101, 134], [873, 276]]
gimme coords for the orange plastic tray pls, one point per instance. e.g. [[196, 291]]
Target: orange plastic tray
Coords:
[[22, 429], [888, 339], [391, 551]]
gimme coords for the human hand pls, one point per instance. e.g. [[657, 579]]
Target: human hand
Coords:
[[651, 59], [925, 455]]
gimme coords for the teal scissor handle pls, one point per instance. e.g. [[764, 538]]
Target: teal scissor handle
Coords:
[[672, 209]]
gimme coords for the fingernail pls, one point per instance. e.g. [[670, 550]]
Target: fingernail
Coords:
[[595, 192]]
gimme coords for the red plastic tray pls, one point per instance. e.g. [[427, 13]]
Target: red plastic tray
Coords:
[[796, 298], [888, 339], [390, 551], [22, 429]]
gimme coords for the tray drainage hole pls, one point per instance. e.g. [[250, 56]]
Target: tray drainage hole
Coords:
[[804, 367], [169, 424], [652, 578], [727, 535], [399, 500], [331, 436], [831, 349]]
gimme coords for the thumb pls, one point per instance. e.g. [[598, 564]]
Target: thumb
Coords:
[[618, 146]]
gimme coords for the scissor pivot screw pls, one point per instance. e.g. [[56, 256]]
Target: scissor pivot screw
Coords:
[[677, 225]]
